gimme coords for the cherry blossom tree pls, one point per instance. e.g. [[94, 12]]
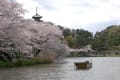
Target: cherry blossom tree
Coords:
[[45, 37], [27, 38], [9, 26]]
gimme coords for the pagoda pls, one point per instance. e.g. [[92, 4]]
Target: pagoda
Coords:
[[37, 17]]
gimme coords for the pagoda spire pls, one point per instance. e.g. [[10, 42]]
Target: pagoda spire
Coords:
[[36, 11]]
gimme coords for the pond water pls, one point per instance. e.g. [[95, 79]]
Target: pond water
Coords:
[[104, 68]]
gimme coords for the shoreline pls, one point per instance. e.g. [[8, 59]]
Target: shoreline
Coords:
[[23, 63]]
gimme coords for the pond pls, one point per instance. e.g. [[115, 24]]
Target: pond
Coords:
[[104, 68]]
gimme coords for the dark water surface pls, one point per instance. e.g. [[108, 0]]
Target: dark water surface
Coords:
[[104, 68]]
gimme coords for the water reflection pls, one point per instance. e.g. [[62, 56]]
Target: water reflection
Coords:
[[103, 69]]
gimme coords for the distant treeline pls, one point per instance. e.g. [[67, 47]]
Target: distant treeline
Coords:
[[107, 39]]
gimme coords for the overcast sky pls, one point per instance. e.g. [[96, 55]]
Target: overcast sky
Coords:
[[92, 15]]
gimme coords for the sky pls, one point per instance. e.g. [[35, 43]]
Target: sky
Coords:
[[91, 15]]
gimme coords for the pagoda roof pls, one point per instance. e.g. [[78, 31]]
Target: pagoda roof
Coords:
[[37, 16]]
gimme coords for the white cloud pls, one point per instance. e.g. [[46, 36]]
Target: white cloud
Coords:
[[74, 12], [30, 6]]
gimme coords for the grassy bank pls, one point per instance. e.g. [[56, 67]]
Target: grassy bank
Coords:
[[24, 63], [40, 59]]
